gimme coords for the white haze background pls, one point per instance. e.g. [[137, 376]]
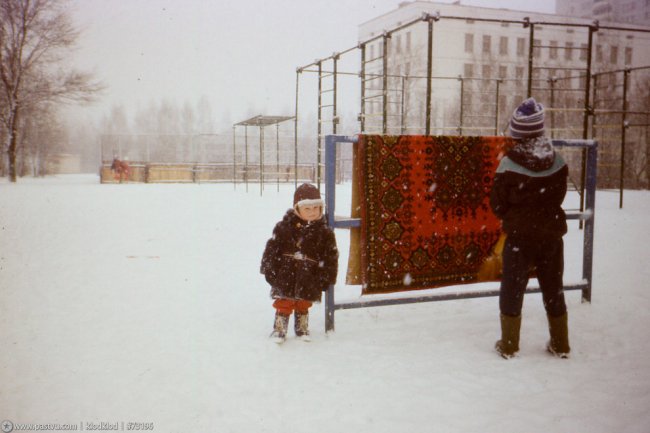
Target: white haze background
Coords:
[[239, 55]]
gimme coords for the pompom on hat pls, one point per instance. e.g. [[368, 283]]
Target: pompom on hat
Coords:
[[307, 195], [527, 120]]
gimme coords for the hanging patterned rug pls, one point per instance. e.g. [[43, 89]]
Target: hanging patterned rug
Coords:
[[424, 206]]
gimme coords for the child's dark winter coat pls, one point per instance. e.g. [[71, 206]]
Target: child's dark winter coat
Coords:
[[529, 187], [300, 260], [528, 191]]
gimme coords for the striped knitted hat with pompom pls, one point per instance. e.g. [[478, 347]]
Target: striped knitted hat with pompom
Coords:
[[527, 120]]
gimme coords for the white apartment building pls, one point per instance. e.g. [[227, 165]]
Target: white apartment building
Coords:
[[483, 55], [621, 11]]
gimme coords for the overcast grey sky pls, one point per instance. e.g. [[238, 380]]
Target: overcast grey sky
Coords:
[[242, 55]]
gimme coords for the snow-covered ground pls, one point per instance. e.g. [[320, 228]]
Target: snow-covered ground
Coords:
[[143, 303]]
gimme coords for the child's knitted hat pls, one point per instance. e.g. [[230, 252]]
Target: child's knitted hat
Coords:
[[527, 120], [307, 195]]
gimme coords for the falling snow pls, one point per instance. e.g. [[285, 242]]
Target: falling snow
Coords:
[[182, 340]]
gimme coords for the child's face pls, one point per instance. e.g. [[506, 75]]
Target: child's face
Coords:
[[309, 213]]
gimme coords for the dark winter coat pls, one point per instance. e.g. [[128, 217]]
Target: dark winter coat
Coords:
[[528, 191], [301, 259]]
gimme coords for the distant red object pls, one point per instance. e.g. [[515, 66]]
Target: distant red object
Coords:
[[120, 170]]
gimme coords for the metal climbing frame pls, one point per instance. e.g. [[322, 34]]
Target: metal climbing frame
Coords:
[[586, 215], [569, 87]]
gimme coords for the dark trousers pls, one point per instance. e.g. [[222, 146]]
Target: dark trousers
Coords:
[[519, 257]]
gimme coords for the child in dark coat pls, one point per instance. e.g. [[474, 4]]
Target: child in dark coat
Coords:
[[529, 187], [300, 261]]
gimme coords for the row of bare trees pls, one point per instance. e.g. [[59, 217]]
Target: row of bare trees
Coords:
[[36, 38]]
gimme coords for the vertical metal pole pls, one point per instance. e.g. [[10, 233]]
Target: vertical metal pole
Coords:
[[246, 156], [496, 115], [588, 111], [330, 198], [403, 108], [362, 115], [320, 123], [261, 131], [531, 52], [427, 129], [234, 157], [626, 83], [462, 105], [277, 155], [295, 132], [552, 82], [384, 98], [335, 120], [335, 97], [594, 131], [587, 260]]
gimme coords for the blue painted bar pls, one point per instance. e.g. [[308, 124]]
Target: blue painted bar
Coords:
[[588, 216]]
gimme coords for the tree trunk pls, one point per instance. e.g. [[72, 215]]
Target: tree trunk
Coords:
[[13, 144], [647, 152]]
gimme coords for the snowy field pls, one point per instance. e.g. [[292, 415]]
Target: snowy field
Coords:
[[143, 303]]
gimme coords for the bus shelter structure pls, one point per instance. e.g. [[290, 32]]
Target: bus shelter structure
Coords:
[[250, 171]]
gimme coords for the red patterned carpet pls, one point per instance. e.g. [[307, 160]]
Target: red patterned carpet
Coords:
[[426, 218]]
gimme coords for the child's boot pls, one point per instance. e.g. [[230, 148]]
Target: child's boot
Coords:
[[558, 327], [301, 325], [508, 346], [280, 327]]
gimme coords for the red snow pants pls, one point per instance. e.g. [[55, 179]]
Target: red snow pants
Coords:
[[287, 306]]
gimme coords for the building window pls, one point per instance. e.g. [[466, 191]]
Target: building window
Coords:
[[584, 51], [503, 71], [468, 70], [568, 51], [537, 43], [521, 46], [553, 52], [519, 72], [398, 43], [503, 45], [568, 81], [487, 71], [408, 42], [628, 55], [599, 53], [469, 42], [487, 42], [613, 55], [372, 52]]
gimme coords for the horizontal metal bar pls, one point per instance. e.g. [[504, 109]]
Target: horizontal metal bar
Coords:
[[365, 302], [341, 222], [575, 143], [577, 215]]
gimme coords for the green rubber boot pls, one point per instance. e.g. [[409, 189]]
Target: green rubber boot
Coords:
[[508, 346], [558, 327]]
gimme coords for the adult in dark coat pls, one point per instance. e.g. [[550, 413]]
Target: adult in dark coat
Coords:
[[529, 187], [300, 260]]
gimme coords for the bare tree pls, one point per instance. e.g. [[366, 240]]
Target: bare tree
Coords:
[[35, 37]]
